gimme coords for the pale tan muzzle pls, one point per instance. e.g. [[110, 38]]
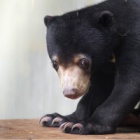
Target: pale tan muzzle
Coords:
[[74, 81]]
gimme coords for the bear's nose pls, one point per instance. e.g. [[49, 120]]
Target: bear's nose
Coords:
[[70, 93]]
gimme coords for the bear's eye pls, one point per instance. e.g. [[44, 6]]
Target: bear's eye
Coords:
[[55, 65], [84, 64]]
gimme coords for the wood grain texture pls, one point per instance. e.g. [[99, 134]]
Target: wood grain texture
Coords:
[[31, 129]]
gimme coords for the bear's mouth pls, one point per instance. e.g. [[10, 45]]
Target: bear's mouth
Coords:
[[74, 97], [74, 85], [73, 82]]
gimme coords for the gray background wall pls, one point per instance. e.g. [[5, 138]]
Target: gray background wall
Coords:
[[29, 87]]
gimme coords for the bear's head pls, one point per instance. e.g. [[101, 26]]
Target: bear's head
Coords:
[[79, 43]]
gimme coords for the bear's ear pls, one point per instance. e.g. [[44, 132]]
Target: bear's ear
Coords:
[[106, 18], [47, 20]]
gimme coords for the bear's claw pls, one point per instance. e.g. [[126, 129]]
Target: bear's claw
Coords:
[[57, 121], [69, 127], [77, 126], [45, 121], [51, 121]]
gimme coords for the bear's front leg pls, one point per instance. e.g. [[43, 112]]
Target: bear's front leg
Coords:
[[109, 114], [124, 96]]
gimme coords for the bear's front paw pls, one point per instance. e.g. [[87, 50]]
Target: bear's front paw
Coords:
[[52, 120], [70, 127], [89, 128]]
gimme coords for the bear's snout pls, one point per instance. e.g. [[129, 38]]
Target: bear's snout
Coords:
[[71, 93]]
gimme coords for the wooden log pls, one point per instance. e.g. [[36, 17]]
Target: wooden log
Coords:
[[31, 129]]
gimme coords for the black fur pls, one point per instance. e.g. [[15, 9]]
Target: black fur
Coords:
[[111, 27]]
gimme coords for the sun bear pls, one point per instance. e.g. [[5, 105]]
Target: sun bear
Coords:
[[96, 53]]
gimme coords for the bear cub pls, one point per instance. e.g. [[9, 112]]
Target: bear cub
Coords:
[[96, 53]]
